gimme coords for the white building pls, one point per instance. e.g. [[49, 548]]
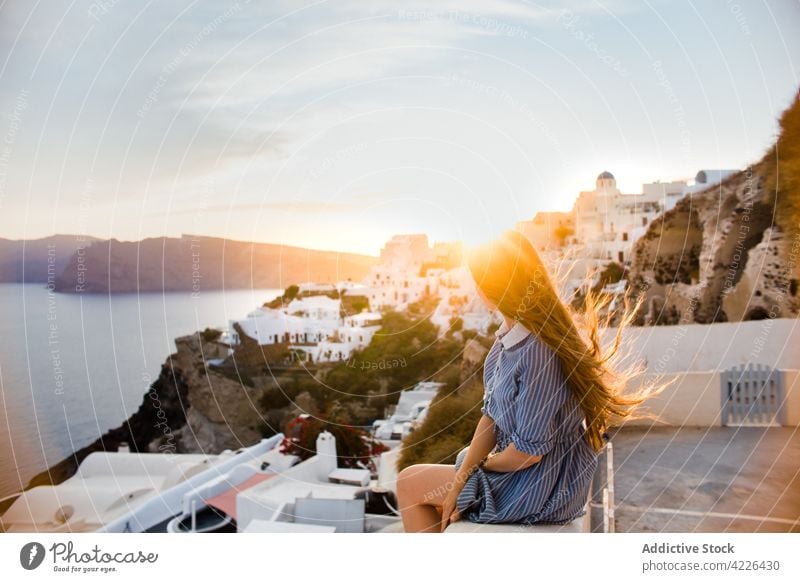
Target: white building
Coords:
[[605, 222], [311, 325], [319, 307], [708, 178], [349, 286], [314, 496], [124, 491], [608, 222], [409, 270], [667, 193], [459, 299], [411, 405], [355, 333], [548, 230]]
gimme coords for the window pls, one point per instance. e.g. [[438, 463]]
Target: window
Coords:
[[624, 236]]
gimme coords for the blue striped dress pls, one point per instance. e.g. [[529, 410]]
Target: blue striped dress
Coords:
[[527, 396]]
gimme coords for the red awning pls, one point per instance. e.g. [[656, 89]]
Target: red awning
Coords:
[[227, 501]]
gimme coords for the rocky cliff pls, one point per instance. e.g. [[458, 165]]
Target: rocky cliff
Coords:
[[198, 263], [192, 407], [222, 410], [38, 260], [150, 428], [731, 252]]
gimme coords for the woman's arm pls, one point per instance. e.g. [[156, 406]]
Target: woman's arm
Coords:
[[483, 441], [510, 459]]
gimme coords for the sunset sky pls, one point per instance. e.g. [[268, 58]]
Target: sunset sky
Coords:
[[334, 124]]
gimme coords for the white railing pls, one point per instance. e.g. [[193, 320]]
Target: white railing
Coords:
[[752, 395]]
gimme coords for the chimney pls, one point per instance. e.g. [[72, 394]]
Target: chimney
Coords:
[[326, 455]]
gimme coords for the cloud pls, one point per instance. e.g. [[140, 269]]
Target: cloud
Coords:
[[196, 147]]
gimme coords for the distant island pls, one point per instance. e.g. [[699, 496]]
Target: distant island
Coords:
[[78, 264]]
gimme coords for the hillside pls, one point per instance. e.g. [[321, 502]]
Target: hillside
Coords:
[[209, 407], [731, 252], [27, 261], [202, 263]]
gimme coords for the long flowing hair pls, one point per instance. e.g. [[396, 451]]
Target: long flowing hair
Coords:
[[510, 273]]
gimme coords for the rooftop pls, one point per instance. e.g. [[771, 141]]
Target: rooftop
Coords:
[[716, 479]]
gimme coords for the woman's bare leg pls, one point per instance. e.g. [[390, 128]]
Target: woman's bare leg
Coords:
[[421, 490]]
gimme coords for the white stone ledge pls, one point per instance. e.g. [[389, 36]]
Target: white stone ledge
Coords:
[[579, 525]]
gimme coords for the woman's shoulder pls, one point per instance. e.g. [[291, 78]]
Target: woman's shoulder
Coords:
[[540, 359], [535, 351]]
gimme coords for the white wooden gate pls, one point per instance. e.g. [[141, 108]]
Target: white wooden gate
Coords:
[[752, 395]]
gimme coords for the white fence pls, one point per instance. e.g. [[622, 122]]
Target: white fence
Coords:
[[752, 395]]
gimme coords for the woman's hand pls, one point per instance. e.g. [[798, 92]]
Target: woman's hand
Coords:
[[450, 512], [483, 441], [510, 459]]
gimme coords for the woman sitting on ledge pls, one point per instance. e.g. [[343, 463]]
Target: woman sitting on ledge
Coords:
[[548, 398]]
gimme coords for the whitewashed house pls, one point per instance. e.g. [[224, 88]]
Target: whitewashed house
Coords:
[[459, 299], [608, 222], [312, 325], [356, 333], [409, 270]]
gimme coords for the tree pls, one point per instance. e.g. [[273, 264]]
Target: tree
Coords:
[[456, 324], [210, 335], [289, 294], [612, 273], [448, 427]]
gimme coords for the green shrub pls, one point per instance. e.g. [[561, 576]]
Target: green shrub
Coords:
[[354, 304], [448, 427], [277, 397], [289, 293], [413, 341], [210, 335], [612, 273], [468, 334]]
